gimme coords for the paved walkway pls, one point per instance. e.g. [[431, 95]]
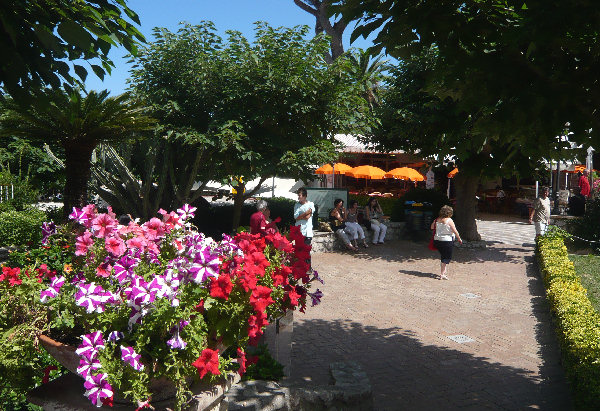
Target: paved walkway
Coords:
[[384, 309]]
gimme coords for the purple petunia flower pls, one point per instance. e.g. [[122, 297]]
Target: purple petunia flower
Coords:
[[206, 264], [90, 344], [92, 297], [186, 212], [79, 216], [316, 277], [97, 388], [316, 297], [129, 356], [124, 268], [88, 366], [115, 336], [48, 229], [176, 342]]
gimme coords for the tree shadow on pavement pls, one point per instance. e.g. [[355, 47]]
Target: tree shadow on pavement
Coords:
[[406, 374], [402, 251]]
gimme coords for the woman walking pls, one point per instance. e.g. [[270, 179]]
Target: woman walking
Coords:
[[445, 230]]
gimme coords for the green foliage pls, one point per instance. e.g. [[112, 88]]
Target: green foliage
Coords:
[[577, 322], [588, 225], [22, 363], [248, 109], [265, 368], [17, 192], [41, 35], [386, 203], [78, 122], [527, 66], [20, 228]]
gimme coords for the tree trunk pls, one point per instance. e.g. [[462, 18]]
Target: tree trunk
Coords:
[[466, 206], [238, 202], [77, 169]]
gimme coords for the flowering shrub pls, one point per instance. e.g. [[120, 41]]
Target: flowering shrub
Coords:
[[160, 300]]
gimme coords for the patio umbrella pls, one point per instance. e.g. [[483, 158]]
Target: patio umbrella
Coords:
[[340, 168], [405, 173], [368, 172], [452, 173]]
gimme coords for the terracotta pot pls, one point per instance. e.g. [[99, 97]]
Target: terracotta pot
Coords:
[[161, 388]]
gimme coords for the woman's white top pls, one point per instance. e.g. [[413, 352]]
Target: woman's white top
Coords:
[[443, 232]]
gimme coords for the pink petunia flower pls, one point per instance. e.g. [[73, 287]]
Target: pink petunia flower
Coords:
[[103, 225], [84, 242], [115, 246]]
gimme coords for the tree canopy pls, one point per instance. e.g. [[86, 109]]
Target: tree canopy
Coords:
[[531, 64], [38, 37], [257, 109]]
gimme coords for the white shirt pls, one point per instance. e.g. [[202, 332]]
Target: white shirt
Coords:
[[306, 226], [443, 232]]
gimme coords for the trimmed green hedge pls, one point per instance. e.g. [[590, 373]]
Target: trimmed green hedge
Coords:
[[578, 323], [21, 228]]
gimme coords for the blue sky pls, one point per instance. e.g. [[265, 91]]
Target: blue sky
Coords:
[[226, 14]]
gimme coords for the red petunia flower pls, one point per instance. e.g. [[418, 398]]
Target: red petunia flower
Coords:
[[221, 287], [256, 323], [261, 298], [241, 355], [247, 281], [280, 275], [207, 362], [200, 307], [293, 297]]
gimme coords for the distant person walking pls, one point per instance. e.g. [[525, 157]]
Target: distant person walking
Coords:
[[584, 184], [540, 213], [445, 231]]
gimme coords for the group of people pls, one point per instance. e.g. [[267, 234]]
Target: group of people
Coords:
[[344, 222], [346, 226]]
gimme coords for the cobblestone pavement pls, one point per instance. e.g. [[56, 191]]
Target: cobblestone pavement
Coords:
[[384, 309]]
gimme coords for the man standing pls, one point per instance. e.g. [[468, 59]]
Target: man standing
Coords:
[[584, 184], [303, 213], [540, 213]]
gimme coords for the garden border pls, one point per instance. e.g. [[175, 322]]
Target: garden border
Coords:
[[577, 322]]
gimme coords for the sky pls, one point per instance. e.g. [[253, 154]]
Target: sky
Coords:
[[226, 14]]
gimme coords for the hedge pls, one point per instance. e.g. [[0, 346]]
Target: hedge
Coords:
[[578, 323], [21, 228]]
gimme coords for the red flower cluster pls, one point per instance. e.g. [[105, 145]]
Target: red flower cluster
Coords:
[[250, 274], [11, 275]]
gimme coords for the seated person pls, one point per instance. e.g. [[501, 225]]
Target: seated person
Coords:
[[577, 203], [259, 221], [373, 217], [337, 220], [352, 224]]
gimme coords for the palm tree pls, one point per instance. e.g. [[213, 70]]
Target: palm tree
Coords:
[[78, 122], [370, 73]]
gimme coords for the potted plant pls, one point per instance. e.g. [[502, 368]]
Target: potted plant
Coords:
[[156, 301]]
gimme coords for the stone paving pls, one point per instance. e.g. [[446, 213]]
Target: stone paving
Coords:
[[384, 309]]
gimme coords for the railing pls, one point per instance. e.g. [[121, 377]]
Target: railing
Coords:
[[7, 192]]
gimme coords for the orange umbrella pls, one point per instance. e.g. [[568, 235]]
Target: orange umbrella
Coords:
[[452, 173], [340, 168], [578, 169], [405, 173], [368, 172]]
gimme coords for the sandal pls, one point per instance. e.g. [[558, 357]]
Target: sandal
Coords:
[[444, 277], [351, 247], [365, 245]]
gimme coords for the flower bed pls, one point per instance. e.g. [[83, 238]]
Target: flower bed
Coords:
[[578, 324], [153, 301]]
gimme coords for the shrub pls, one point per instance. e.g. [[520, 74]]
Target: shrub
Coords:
[[22, 193], [21, 228], [386, 203], [588, 225], [578, 324]]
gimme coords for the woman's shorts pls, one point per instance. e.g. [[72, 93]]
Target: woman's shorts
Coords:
[[445, 249]]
